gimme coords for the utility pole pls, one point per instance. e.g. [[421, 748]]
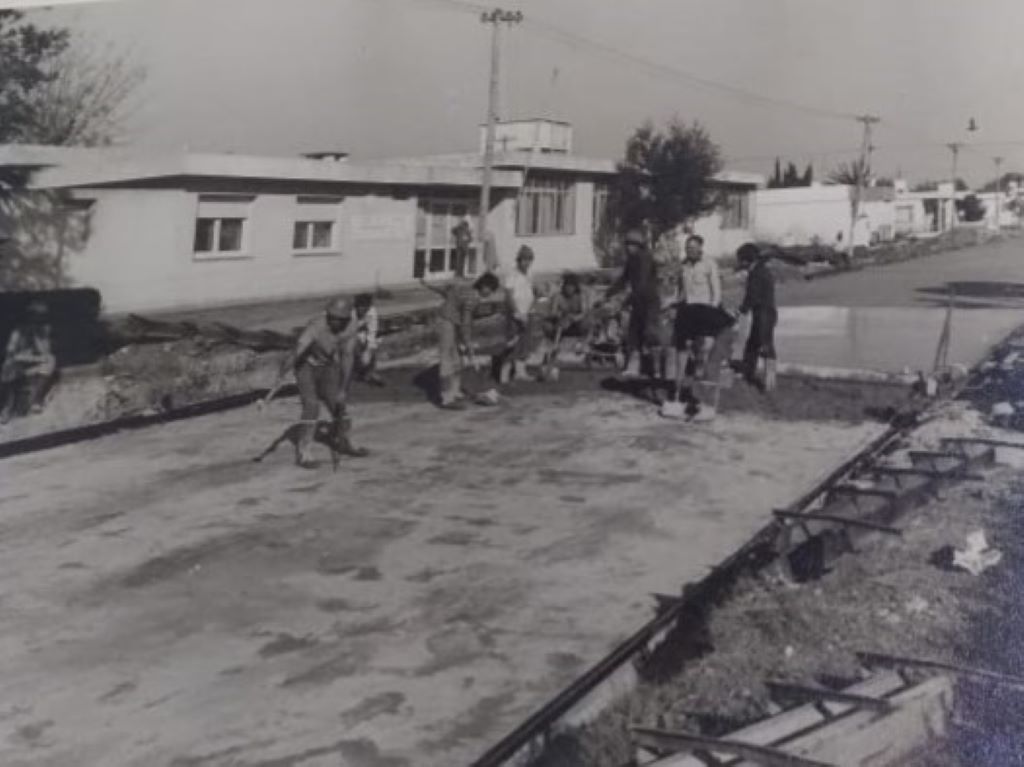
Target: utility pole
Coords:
[[999, 192], [862, 168], [495, 18], [954, 147]]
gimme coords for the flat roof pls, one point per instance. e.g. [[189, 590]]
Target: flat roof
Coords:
[[69, 168], [519, 159]]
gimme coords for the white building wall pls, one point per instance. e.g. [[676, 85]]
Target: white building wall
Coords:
[[719, 242], [819, 214], [802, 215], [552, 252], [140, 251]]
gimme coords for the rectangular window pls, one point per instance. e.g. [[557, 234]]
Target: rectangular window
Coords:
[[736, 211], [221, 226], [313, 235], [442, 239], [545, 207], [600, 207], [315, 229]]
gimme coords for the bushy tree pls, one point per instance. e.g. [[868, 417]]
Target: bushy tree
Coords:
[[56, 91], [971, 208], [665, 178], [26, 55]]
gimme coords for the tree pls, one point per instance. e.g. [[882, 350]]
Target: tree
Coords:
[[664, 179], [1003, 182], [971, 208], [26, 54], [791, 177], [850, 173], [54, 92], [85, 98]]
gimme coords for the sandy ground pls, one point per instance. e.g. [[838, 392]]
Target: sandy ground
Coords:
[[166, 601]]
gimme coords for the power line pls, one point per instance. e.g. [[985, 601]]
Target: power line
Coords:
[[662, 70]]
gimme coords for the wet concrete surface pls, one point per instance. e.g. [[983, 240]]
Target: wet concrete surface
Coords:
[[168, 602], [888, 318], [887, 339]]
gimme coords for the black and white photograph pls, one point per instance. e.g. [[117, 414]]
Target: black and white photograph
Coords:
[[548, 383]]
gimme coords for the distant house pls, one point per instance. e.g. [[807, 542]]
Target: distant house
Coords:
[[160, 231]]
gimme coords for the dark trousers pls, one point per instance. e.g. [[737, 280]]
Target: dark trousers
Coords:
[[317, 383], [761, 341]]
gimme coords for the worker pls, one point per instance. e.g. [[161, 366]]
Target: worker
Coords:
[[694, 323], [640, 274], [29, 365], [367, 328], [323, 362], [759, 300], [520, 294], [569, 316], [455, 338]]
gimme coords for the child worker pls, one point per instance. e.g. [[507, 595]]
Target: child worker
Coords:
[[569, 316], [455, 343], [759, 300], [367, 328]]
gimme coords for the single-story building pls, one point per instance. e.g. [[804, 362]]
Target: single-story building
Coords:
[[161, 231], [820, 214]]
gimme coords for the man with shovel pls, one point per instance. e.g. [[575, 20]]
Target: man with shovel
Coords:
[[323, 362]]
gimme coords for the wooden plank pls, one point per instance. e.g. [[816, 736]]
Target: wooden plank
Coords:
[[814, 516], [836, 696], [675, 742]]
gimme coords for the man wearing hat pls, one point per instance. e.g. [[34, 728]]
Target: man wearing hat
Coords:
[[323, 361], [640, 273], [28, 366]]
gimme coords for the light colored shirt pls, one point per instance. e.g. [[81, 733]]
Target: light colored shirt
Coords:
[[368, 327], [520, 292], [700, 282], [320, 346]]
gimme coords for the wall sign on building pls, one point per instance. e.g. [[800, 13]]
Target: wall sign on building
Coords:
[[365, 226]]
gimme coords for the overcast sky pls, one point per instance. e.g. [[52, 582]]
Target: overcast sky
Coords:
[[387, 77]]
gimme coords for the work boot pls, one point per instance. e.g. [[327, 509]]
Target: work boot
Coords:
[[632, 369], [489, 398], [769, 375]]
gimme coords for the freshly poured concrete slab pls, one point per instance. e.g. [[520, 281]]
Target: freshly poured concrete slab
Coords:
[[169, 603], [887, 339]]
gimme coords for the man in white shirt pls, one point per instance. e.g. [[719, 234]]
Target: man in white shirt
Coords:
[[700, 282], [520, 297]]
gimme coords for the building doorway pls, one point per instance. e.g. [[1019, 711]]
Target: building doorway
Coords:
[[441, 225]]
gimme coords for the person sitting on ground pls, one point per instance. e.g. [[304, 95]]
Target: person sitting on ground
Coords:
[[520, 294], [29, 366], [759, 300], [455, 338], [569, 315], [323, 362], [367, 328], [640, 274]]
